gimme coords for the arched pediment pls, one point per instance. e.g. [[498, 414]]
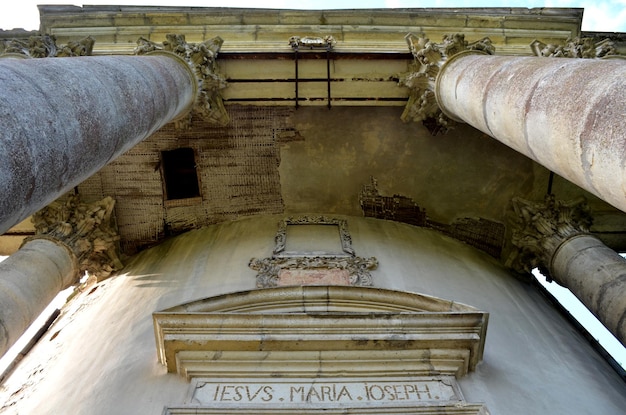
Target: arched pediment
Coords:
[[322, 299], [325, 328]]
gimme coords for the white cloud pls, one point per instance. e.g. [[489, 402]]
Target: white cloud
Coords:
[[605, 17]]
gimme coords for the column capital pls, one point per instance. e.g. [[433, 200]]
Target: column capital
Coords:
[[45, 46], [429, 59], [201, 57], [578, 47], [87, 229], [539, 228]]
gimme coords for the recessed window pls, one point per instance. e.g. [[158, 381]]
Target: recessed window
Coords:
[[179, 174]]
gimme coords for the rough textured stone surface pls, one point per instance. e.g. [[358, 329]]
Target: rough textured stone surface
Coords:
[[31, 278], [63, 119], [566, 114], [534, 362]]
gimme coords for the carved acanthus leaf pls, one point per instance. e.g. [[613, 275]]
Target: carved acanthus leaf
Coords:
[[540, 227], [88, 229], [202, 59], [428, 60], [584, 47], [45, 47]]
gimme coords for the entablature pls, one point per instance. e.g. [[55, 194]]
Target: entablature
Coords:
[[116, 28]]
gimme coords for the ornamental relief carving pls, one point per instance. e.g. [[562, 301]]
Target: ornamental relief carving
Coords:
[[429, 58], [540, 227], [88, 229], [586, 47], [308, 267], [45, 47], [202, 60]]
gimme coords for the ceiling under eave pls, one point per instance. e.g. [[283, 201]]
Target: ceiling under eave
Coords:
[[276, 157]]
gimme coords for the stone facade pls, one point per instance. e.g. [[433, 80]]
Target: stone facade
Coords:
[[250, 280]]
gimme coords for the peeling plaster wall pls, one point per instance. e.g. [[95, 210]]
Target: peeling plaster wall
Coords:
[[100, 356]]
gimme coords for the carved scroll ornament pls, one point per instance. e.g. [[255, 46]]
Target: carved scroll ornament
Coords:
[[429, 58], [540, 227], [341, 268], [88, 229], [309, 42], [269, 269], [202, 59]]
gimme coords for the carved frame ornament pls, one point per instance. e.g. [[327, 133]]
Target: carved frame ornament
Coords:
[[202, 58], [269, 269]]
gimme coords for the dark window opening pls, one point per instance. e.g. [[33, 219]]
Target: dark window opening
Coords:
[[179, 174]]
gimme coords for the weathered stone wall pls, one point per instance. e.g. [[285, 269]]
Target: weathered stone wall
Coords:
[[100, 356]]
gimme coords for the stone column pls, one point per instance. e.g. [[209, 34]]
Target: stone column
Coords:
[[31, 278], [566, 114], [554, 236], [63, 118], [72, 238]]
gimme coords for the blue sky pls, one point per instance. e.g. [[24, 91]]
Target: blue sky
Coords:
[[600, 15]]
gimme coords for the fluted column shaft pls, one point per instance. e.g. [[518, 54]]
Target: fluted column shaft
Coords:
[[566, 114], [63, 119]]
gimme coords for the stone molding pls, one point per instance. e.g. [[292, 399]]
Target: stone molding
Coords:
[[347, 338], [539, 228], [87, 229], [429, 59], [270, 269], [45, 47], [342, 225], [585, 47], [333, 319], [201, 57], [456, 409]]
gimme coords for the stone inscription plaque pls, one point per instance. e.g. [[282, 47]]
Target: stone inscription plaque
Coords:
[[327, 393], [313, 276]]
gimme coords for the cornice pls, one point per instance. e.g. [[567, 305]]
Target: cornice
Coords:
[[116, 28]]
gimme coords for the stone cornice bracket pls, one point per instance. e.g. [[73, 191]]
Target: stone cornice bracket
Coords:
[[202, 58], [586, 47], [429, 59], [539, 228], [88, 229], [45, 47]]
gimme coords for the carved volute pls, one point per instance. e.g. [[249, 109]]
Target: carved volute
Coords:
[[540, 227], [429, 58], [201, 57], [88, 229]]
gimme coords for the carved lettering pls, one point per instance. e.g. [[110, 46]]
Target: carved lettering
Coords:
[[327, 393]]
